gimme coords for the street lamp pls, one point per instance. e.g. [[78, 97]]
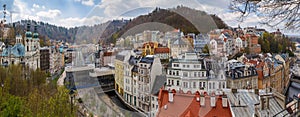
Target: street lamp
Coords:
[[72, 96]]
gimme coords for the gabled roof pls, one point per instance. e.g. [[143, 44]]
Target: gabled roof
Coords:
[[161, 50], [158, 83], [179, 42]]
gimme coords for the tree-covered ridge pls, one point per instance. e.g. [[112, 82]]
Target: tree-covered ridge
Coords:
[[27, 93], [276, 44], [87, 34], [186, 19]]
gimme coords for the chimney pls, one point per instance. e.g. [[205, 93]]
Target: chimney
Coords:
[[224, 101], [170, 96], [262, 105], [202, 100], [267, 103], [213, 101], [256, 91], [238, 101]]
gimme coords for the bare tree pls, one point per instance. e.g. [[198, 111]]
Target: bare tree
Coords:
[[272, 12]]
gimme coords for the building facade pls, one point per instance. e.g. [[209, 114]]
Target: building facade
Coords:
[[45, 59], [187, 73], [27, 53]]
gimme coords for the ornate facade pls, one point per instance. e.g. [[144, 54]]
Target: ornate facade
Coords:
[[27, 53]]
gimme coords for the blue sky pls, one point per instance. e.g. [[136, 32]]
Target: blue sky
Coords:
[[70, 13]]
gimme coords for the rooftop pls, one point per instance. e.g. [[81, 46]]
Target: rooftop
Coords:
[[188, 105]]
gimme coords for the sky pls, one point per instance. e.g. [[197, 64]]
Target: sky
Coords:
[[71, 13]]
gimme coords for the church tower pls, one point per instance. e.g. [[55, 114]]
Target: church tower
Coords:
[[36, 40], [18, 39], [28, 39]]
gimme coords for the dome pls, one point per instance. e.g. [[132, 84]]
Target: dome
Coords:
[[28, 34], [35, 35]]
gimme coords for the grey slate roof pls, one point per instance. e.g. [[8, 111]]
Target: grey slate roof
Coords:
[[120, 57], [158, 83], [248, 101], [293, 88]]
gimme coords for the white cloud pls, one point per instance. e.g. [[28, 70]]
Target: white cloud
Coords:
[[86, 2], [114, 8], [36, 6], [51, 14], [75, 21]]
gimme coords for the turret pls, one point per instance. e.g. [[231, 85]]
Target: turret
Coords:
[[28, 33], [28, 39], [35, 33]]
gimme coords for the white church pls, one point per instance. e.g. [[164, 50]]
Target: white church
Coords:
[[27, 53]]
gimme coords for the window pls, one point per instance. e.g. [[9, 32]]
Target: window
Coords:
[[183, 66], [170, 72], [169, 81], [203, 74], [200, 84], [194, 84], [185, 74], [199, 74], [204, 84], [177, 73], [195, 74], [175, 65], [172, 82], [196, 66], [185, 84], [177, 82], [213, 85], [209, 86], [188, 66]]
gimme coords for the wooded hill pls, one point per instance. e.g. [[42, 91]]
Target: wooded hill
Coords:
[[186, 19]]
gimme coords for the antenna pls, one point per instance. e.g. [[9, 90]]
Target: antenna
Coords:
[[4, 13]]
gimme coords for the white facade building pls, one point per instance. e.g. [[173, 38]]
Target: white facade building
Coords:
[[187, 73]]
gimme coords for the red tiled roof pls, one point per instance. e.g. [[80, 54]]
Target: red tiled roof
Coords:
[[186, 105], [259, 70], [243, 38], [107, 53], [161, 50]]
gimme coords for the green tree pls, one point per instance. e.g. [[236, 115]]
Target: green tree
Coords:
[[205, 49], [32, 95], [13, 106], [247, 50]]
